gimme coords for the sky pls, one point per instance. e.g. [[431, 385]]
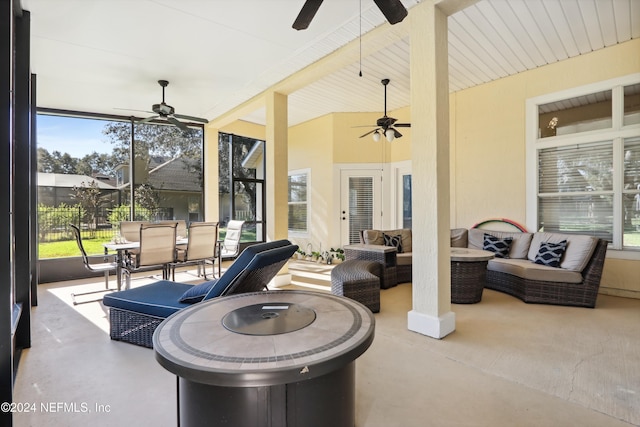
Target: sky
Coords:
[[78, 137]]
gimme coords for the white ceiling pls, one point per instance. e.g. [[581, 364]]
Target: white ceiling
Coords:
[[105, 56]]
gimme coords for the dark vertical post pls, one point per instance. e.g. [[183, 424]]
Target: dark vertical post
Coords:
[[33, 197], [22, 178], [6, 276], [132, 159]]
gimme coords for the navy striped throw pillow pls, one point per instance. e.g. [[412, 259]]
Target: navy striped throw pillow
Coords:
[[395, 241], [497, 245], [550, 253]]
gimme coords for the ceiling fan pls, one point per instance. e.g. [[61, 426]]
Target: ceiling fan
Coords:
[[386, 125], [167, 112], [393, 10]]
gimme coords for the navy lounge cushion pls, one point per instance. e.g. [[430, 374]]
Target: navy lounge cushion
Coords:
[[550, 253], [159, 299], [240, 264], [497, 245], [163, 298]]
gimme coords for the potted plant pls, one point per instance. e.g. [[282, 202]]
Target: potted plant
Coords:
[[300, 254], [337, 254], [316, 256]]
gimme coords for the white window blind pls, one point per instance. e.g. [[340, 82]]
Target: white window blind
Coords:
[[360, 206], [575, 189]]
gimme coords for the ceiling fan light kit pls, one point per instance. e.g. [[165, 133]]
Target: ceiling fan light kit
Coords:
[[386, 124]]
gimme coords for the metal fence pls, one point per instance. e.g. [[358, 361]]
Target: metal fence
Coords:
[[53, 222]]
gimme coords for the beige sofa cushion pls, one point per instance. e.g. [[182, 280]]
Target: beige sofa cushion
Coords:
[[374, 237], [528, 270], [519, 247], [459, 237], [404, 258], [579, 248]]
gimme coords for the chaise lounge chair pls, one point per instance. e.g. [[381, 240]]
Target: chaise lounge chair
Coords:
[[134, 314]]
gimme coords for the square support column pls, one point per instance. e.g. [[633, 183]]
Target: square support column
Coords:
[[277, 164], [210, 174], [431, 314]]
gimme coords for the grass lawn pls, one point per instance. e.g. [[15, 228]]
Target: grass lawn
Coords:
[[69, 248]]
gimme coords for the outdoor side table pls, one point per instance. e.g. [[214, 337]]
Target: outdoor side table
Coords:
[[275, 358], [385, 255], [468, 274]]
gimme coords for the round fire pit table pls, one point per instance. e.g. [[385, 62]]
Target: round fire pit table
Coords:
[[276, 358], [468, 274]]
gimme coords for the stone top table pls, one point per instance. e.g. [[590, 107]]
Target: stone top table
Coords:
[[468, 274], [266, 341], [470, 255]]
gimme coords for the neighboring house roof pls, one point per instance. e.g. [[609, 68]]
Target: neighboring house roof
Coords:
[[62, 180], [174, 174]]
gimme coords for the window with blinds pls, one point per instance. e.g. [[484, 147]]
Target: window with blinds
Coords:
[[575, 188], [588, 173], [298, 203]]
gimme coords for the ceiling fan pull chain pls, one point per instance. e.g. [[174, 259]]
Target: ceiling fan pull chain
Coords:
[[360, 39]]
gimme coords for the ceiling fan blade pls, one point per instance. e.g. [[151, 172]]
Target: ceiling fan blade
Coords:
[[148, 119], [402, 125], [396, 133], [306, 14], [370, 132], [178, 123], [192, 118], [393, 10], [129, 109]]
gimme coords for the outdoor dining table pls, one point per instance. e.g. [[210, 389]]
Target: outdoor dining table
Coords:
[[121, 247]]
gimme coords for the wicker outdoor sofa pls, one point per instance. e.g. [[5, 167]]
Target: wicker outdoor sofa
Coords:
[[134, 314], [573, 280]]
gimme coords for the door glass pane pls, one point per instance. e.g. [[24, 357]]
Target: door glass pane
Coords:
[[579, 114], [631, 195], [406, 201], [360, 206], [632, 104]]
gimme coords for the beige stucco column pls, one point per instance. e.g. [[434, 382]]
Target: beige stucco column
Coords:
[[431, 314], [277, 165], [277, 160], [210, 174]]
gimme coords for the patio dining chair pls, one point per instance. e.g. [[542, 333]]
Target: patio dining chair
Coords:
[[230, 246], [107, 265], [201, 246], [157, 249]]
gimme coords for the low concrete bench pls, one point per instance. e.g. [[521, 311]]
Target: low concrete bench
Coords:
[[358, 280]]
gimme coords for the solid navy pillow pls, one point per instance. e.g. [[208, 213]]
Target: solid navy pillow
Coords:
[[197, 292]]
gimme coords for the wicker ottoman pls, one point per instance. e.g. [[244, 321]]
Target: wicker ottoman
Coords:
[[358, 280]]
